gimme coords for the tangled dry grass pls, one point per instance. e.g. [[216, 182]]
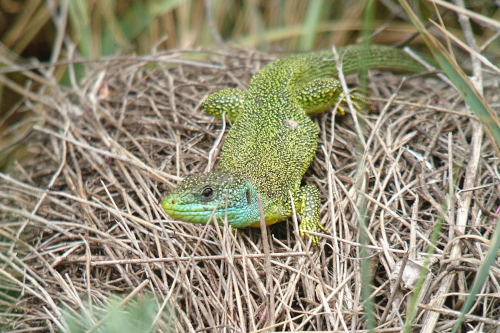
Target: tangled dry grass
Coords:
[[82, 219]]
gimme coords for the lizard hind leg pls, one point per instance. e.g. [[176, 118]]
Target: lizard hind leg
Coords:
[[228, 100], [320, 94], [310, 204]]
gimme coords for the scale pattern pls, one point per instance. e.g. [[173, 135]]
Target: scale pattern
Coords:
[[273, 141]]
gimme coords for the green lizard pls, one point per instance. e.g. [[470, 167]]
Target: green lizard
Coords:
[[272, 140]]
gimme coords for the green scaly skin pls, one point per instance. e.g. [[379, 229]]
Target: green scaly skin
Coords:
[[273, 141]]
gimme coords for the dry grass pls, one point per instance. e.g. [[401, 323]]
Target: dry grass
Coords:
[[104, 153]]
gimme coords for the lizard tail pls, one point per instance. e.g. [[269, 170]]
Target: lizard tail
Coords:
[[360, 57]]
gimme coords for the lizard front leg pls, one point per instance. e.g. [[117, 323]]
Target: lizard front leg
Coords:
[[310, 204], [228, 100], [320, 94]]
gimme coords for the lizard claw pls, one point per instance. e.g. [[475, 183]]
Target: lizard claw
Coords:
[[354, 100], [314, 238]]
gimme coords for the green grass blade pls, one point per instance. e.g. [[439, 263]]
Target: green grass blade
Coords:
[[112, 35], [259, 25], [164, 7], [482, 273], [366, 275], [314, 10], [136, 316], [457, 76], [138, 16], [80, 22], [135, 20]]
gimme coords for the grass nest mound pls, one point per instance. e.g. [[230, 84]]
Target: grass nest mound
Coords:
[[82, 221]]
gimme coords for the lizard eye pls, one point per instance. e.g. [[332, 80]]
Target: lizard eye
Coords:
[[207, 192]]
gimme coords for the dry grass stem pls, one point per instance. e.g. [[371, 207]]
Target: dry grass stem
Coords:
[[82, 218]]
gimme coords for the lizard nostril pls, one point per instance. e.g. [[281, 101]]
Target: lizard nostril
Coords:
[[173, 201]]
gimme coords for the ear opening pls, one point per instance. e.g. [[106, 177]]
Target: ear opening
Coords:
[[248, 196]]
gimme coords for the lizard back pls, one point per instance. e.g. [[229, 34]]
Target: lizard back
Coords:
[[273, 141]]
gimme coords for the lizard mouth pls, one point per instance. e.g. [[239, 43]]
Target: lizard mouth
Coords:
[[196, 213], [187, 213]]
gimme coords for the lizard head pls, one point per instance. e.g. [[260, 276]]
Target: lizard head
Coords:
[[196, 197]]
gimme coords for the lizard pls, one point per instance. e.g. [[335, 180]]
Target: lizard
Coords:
[[273, 140]]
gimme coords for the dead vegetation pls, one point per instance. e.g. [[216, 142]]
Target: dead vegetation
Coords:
[[82, 219]]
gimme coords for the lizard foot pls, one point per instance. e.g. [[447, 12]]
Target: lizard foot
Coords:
[[314, 238], [309, 212], [356, 100]]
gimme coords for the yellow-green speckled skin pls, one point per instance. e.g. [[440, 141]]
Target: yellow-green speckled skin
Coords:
[[272, 140]]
